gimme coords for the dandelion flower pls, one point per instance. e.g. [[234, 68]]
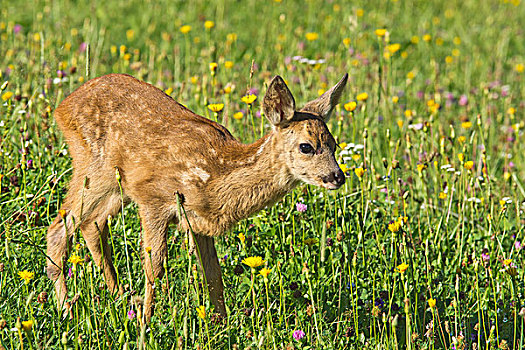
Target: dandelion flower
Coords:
[[238, 115], [427, 37], [249, 99], [216, 107], [27, 325], [442, 195], [381, 32], [362, 96], [520, 68], [393, 48], [401, 268], [468, 165], [311, 36], [228, 64], [201, 312], [75, 259], [253, 261], [209, 24], [394, 226], [213, 67], [360, 172], [432, 303], [7, 95], [26, 276], [185, 29], [461, 157], [466, 125], [350, 106], [346, 42], [343, 167], [511, 110], [242, 237], [264, 272], [148, 249]]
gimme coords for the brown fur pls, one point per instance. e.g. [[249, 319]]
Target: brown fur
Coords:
[[162, 149]]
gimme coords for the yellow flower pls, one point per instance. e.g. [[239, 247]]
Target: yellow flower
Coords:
[[311, 36], [402, 268], [380, 32], [249, 99], [400, 123], [253, 261], [213, 67], [395, 99], [506, 175], [362, 96], [411, 75], [75, 259], [350, 106], [130, 34], [346, 42], [359, 12], [231, 37], [421, 167], [148, 249], [343, 145], [466, 125], [216, 107], [343, 167], [242, 237], [442, 195], [185, 29], [27, 325], [457, 40], [356, 157], [507, 262], [393, 48], [461, 157], [414, 39], [468, 165], [168, 91], [7, 95], [201, 312], [462, 139], [26, 276], [228, 64], [432, 303], [427, 37], [394, 226], [264, 272], [209, 24], [520, 68], [359, 172], [511, 110], [238, 115], [449, 59], [456, 52]]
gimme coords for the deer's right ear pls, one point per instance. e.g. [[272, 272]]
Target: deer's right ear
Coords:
[[278, 103]]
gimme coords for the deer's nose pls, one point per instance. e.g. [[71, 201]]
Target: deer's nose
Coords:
[[336, 178]]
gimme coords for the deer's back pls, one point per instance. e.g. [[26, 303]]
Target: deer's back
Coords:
[[115, 117]]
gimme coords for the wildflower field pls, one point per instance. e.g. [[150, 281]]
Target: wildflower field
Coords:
[[422, 248]]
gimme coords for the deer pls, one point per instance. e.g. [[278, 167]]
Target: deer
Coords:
[[130, 141]]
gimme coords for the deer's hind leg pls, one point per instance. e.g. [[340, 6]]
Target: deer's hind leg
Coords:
[[59, 236], [95, 232]]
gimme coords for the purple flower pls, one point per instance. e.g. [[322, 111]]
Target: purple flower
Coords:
[[131, 314], [298, 334], [420, 95], [70, 273], [253, 91], [30, 164], [517, 245], [17, 28], [82, 47], [301, 207], [485, 257], [463, 100]]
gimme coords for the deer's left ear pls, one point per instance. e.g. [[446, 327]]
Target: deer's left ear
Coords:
[[325, 104]]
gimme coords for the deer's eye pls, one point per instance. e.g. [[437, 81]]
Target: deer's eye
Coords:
[[306, 148]]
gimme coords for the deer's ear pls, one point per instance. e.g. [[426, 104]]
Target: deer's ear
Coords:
[[278, 103], [325, 104]]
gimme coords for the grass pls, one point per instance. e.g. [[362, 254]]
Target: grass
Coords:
[[422, 247]]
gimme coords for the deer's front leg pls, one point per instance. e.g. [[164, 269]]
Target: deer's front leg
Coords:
[[212, 270]]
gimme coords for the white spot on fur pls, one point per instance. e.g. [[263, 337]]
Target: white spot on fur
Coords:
[[201, 173]]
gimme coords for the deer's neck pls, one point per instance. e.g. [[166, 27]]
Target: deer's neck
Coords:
[[258, 178]]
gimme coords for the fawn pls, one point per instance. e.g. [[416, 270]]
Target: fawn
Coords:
[[166, 155]]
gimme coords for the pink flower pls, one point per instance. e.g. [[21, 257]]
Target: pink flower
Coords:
[[131, 314], [298, 334], [463, 100], [301, 207]]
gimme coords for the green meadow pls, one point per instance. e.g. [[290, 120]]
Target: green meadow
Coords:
[[422, 248]]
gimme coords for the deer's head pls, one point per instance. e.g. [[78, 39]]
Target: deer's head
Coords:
[[305, 141]]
